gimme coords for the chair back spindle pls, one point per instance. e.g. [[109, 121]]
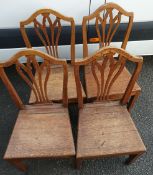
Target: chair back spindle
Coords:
[[27, 73], [107, 19], [107, 65], [47, 26]]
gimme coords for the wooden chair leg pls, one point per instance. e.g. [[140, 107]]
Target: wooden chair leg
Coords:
[[132, 158], [18, 164], [133, 100], [78, 164]]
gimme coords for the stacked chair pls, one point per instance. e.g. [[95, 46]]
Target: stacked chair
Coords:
[[105, 126]]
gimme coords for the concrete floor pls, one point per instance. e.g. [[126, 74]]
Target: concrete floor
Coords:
[[142, 114]]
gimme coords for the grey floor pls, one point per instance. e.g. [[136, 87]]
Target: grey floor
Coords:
[[142, 114]]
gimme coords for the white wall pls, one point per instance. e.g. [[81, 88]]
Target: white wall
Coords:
[[13, 11], [142, 8]]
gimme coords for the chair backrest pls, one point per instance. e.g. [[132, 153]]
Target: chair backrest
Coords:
[[107, 19], [27, 72], [47, 27], [114, 61]]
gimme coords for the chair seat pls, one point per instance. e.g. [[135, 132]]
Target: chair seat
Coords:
[[107, 129], [55, 83], [41, 131], [118, 88]]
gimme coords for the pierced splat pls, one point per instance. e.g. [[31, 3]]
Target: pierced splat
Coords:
[[105, 81], [50, 41], [47, 26], [39, 87], [106, 66], [36, 75], [106, 19], [106, 26]]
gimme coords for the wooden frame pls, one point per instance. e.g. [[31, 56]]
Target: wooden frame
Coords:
[[42, 129], [105, 39], [107, 8], [93, 116], [49, 45], [98, 56], [30, 54]]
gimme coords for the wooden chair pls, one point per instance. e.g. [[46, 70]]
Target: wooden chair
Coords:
[[105, 127], [47, 29], [42, 129], [107, 19]]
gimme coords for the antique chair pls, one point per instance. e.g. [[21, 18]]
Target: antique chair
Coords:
[[105, 127], [107, 20], [47, 28], [42, 129]]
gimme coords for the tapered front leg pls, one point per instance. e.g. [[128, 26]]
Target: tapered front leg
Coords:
[[133, 100], [132, 158], [78, 164], [18, 164]]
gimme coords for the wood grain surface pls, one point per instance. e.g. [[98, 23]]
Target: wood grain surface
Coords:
[[41, 131], [108, 18], [107, 129], [55, 84], [118, 88]]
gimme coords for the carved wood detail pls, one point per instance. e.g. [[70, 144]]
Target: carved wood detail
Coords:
[[48, 28], [104, 59], [27, 73], [107, 19]]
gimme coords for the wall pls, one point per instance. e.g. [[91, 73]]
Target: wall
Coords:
[[13, 11], [17, 10], [142, 8]]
